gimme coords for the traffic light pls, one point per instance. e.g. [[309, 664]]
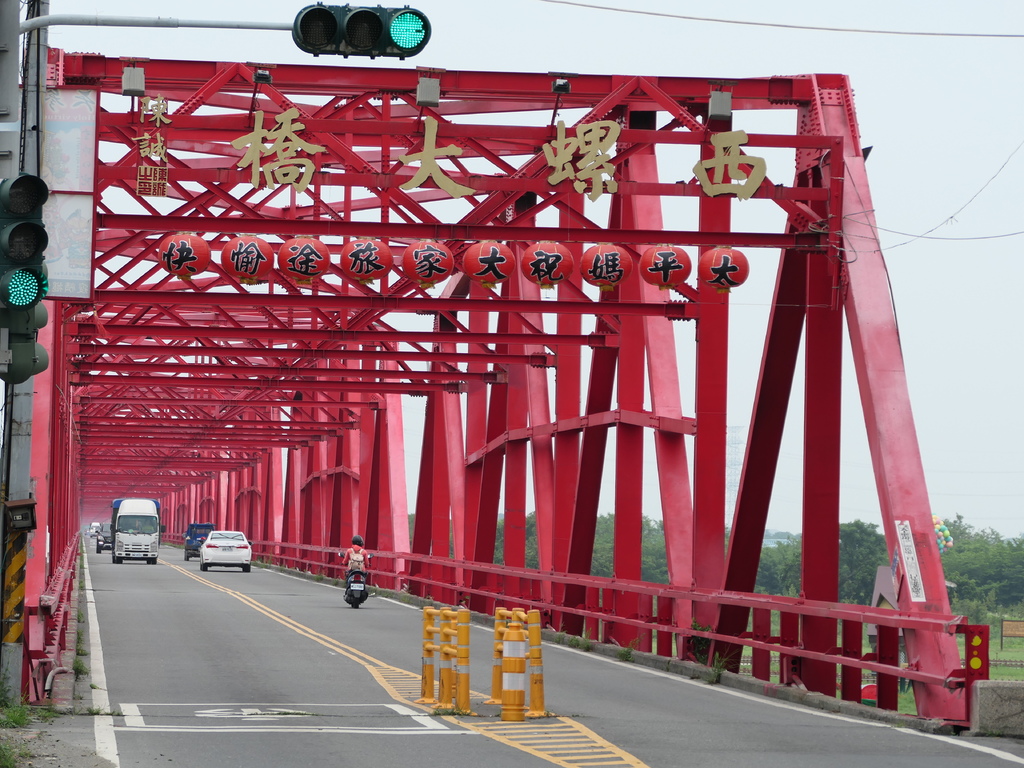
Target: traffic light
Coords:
[[361, 31], [23, 282], [21, 356]]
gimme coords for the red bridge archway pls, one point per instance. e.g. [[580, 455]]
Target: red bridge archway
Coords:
[[275, 404]]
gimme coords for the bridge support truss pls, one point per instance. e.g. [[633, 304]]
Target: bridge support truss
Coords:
[[286, 407]]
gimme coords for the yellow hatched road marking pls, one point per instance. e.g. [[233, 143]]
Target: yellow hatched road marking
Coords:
[[563, 742]]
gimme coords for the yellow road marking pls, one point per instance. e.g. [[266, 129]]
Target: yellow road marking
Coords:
[[562, 742]]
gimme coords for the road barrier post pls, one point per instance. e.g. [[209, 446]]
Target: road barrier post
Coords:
[[513, 667], [449, 653], [533, 626], [462, 662], [430, 629], [499, 634]]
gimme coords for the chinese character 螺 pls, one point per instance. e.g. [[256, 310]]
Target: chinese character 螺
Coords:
[[592, 143], [728, 158], [287, 168]]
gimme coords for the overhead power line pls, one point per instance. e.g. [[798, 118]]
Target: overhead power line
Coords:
[[638, 12]]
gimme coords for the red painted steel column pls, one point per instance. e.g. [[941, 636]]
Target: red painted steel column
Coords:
[[516, 466], [592, 456], [823, 361], [892, 438], [711, 407], [394, 533]]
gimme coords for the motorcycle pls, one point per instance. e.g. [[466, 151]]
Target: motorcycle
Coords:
[[356, 588]]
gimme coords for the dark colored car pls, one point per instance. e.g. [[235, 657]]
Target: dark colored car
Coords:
[[194, 538], [104, 538]]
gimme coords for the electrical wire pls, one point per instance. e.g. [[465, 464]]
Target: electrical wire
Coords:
[[662, 14]]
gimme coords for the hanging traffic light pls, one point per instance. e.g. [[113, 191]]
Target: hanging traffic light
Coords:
[[21, 356], [23, 281], [361, 31]]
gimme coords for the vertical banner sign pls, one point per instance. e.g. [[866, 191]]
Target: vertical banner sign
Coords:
[[69, 156], [911, 567]]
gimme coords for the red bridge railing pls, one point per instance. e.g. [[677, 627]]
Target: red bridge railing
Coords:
[[46, 626], [654, 618]]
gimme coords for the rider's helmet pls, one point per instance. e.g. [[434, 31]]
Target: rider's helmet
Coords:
[[357, 540]]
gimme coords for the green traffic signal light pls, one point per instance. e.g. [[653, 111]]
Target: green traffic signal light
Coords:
[[23, 238], [24, 287], [361, 31]]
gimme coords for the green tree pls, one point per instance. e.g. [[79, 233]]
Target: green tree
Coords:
[[862, 551], [779, 570]]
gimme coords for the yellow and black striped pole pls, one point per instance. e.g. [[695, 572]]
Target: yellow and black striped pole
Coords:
[[15, 558]]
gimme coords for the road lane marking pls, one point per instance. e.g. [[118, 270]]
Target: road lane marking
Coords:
[[255, 718], [545, 740], [103, 727]]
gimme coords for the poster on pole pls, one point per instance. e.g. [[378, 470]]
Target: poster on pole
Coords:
[[68, 168]]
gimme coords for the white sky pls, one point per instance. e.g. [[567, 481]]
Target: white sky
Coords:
[[945, 118]]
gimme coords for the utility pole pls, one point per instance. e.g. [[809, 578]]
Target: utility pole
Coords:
[[20, 151]]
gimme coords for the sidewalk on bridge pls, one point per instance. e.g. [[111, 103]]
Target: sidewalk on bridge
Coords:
[[68, 739]]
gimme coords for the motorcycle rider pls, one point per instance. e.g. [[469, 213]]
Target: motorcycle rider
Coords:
[[356, 558]]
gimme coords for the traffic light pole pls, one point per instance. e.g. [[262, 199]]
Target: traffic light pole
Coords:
[[20, 150]]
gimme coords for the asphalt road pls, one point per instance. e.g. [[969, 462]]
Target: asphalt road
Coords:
[[268, 670]]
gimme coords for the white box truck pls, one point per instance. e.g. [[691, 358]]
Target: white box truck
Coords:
[[135, 527]]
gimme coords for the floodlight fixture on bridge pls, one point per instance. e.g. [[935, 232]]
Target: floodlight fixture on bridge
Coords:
[[349, 30]]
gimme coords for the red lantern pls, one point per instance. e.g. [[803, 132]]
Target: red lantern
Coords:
[[184, 254], [547, 264], [247, 257], [665, 266], [366, 260], [488, 263], [303, 258], [428, 262], [606, 266], [723, 268]]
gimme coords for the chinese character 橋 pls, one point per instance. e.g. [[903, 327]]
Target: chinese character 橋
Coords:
[[592, 143], [284, 142], [429, 167], [728, 158]]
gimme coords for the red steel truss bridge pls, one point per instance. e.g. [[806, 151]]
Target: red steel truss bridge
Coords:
[[300, 408]]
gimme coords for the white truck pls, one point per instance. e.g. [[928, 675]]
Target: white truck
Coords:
[[135, 527]]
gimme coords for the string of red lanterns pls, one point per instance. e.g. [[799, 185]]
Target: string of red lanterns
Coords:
[[250, 259]]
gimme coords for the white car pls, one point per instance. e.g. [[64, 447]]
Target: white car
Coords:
[[225, 548]]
